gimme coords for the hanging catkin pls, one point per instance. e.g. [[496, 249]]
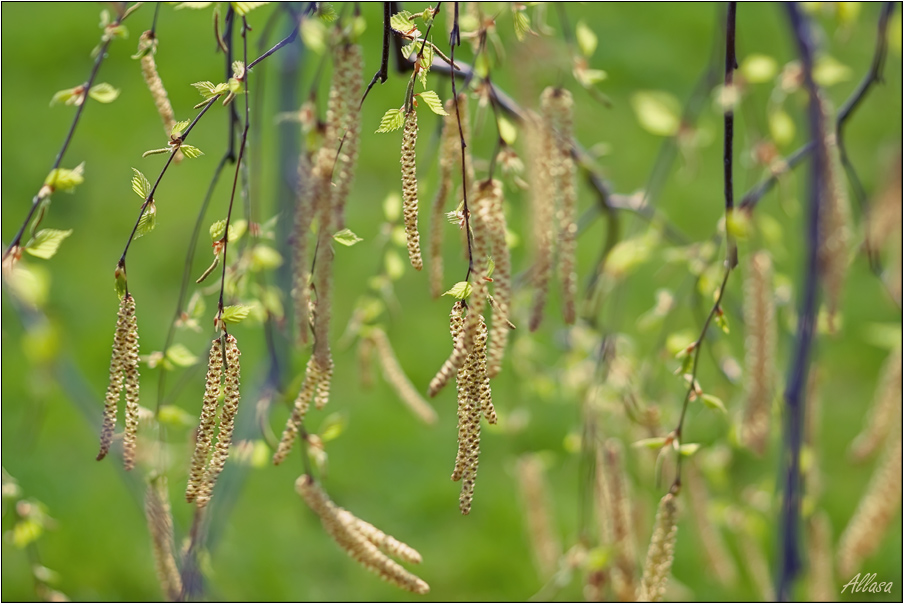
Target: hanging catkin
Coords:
[[759, 319], [546, 546], [395, 376], [147, 48], [614, 488], [493, 217], [557, 106], [459, 350], [360, 540], [661, 554], [231, 378], [160, 526], [449, 155], [409, 188], [309, 387], [348, 66], [885, 411], [123, 372], [198, 471], [543, 200], [304, 213], [820, 578]]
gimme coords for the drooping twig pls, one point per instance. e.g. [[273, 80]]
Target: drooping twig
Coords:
[[731, 64], [455, 40], [794, 392], [383, 72]]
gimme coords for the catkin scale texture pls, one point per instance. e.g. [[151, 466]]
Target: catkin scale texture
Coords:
[[658, 565], [347, 84], [759, 319], [156, 87], [494, 219], [131, 383], [231, 379], [123, 374], [197, 484], [409, 188], [543, 200]]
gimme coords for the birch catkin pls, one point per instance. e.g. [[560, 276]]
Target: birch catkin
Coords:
[[304, 212], [131, 379], [197, 473], [231, 379], [459, 350], [448, 153], [661, 554], [885, 410], [557, 106], [759, 318], [348, 65], [541, 178], [160, 526], [358, 540], [618, 506], [312, 378], [123, 371], [502, 279], [409, 188], [820, 578], [147, 45], [395, 376], [545, 544]]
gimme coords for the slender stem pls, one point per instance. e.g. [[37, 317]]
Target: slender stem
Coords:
[[383, 72], [287, 40], [154, 22], [795, 390], [731, 64], [80, 108], [455, 40]]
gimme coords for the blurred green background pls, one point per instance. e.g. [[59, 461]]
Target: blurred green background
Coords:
[[385, 466]]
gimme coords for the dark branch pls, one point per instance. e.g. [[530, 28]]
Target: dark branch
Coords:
[[382, 73], [731, 64]]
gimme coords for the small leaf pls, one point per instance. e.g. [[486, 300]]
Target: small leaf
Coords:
[[402, 22], [119, 282], [432, 101], [491, 266], [722, 321], [103, 93], [217, 229], [237, 229], [179, 355], [314, 35], [140, 184], [62, 179], [148, 220], [688, 449], [460, 290], [507, 130], [243, 8], [69, 96], [157, 151], [190, 152], [264, 257], [346, 237], [657, 111], [651, 443], [410, 49], [395, 268], [586, 38], [521, 22], [781, 127], [828, 71], [392, 120], [714, 402], [179, 128], [192, 5], [208, 90], [332, 426], [392, 207], [326, 13], [235, 314], [46, 242]]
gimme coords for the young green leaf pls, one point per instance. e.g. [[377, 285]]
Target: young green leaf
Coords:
[[507, 130], [179, 128], [103, 93], [62, 179], [157, 151], [688, 449], [148, 220], [140, 184], [190, 152], [235, 314], [651, 443], [314, 35], [521, 21], [69, 96], [264, 257], [587, 39], [714, 402], [459, 291], [432, 101], [392, 120], [346, 237], [209, 90], [217, 229], [326, 12], [46, 242], [657, 111], [119, 282], [332, 426], [402, 22], [243, 8], [179, 355]]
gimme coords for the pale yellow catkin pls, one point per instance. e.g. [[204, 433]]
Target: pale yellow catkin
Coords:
[[312, 378], [885, 212], [349, 65], [502, 279], [114, 388], [545, 544], [365, 362], [760, 328], [132, 390], [198, 471], [304, 212], [347, 533], [231, 379], [820, 578], [160, 527], [449, 152], [834, 228], [409, 188], [385, 543], [480, 251], [618, 504], [395, 377], [718, 557], [459, 350], [155, 85], [885, 410], [557, 104], [661, 553], [870, 523], [543, 200]]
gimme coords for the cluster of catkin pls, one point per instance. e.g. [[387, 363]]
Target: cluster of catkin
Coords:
[[315, 388], [553, 199], [759, 320], [123, 374], [208, 460], [363, 542], [147, 47], [160, 526]]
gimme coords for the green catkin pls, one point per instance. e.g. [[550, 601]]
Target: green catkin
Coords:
[[197, 474], [132, 390], [395, 376], [117, 361], [353, 536], [820, 579], [546, 547], [160, 527], [502, 278], [349, 65], [871, 521], [885, 410], [148, 45], [543, 199], [449, 155], [459, 350], [759, 319], [312, 378], [557, 106], [231, 378], [661, 554], [618, 504], [304, 212], [409, 188]]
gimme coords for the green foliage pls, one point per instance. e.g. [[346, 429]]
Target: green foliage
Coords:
[[46, 242], [236, 314], [393, 119], [459, 291], [140, 184], [62, 179], [346, 237], [431, 99], [148, 220]]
